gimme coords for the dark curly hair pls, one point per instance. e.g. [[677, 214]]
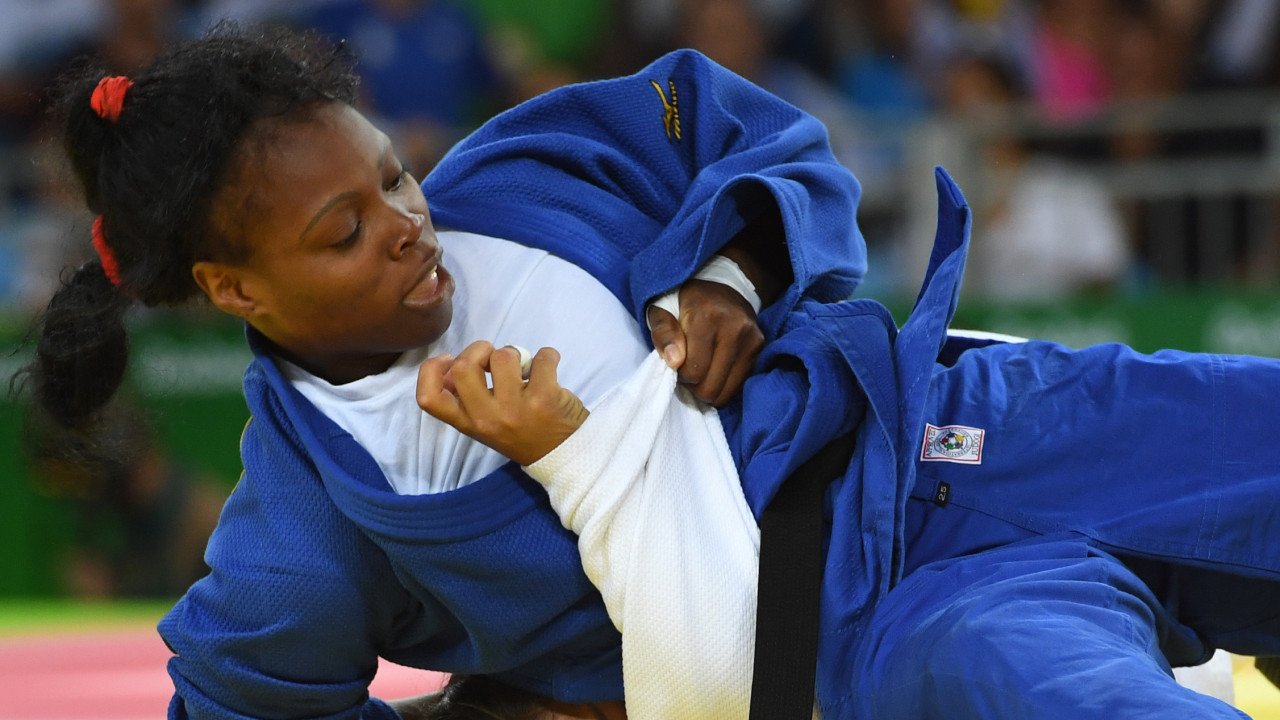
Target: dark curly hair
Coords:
[[152, 176], [479, 697]]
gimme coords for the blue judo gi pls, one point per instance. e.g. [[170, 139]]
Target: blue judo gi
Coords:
[[1075, 473], [1119, 522], [1057, 581]]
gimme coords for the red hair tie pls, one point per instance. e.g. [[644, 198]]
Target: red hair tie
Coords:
[[109, 264], [108, 98]]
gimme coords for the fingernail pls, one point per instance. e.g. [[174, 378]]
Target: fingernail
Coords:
[[671, 355]]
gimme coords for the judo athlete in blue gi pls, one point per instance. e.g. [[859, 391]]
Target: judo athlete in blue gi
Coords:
[[1105, 514]]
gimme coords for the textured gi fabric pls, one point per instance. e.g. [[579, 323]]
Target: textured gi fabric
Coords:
[[1046, 627], [649, 486]]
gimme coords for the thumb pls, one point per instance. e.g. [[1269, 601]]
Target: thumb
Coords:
[[668, 337]]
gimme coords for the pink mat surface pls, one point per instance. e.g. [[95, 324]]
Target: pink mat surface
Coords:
[[120, 675]]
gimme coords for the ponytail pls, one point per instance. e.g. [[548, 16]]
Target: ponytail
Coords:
[[82, 348], [152, 153]]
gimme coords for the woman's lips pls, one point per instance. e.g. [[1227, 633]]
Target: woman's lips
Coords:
[[432, 288]]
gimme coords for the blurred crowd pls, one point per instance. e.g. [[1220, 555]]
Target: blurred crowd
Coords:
[[139, 517], [874, 71]]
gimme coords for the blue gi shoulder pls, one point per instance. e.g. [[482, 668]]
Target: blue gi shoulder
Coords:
[[640, 179]]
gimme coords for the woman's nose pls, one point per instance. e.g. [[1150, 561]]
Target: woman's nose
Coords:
[[410, 231]]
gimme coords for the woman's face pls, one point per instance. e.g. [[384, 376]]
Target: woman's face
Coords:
[[344, 270]]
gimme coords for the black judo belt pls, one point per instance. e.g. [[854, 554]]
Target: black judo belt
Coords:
[[791, 560]]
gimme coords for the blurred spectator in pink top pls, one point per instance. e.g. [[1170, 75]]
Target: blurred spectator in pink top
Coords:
[[1068, 64]]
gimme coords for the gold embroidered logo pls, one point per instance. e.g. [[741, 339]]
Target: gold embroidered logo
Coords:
[[670, 110]]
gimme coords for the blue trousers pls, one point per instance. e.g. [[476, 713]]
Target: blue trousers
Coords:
[[994, 621]]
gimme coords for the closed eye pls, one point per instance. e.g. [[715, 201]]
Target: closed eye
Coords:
[[350, 240], [399, 181]]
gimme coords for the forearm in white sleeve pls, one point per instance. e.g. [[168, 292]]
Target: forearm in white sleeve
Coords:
[[649, 486]]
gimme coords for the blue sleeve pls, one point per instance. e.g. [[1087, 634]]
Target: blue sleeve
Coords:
[[298, 604], [639, 179]]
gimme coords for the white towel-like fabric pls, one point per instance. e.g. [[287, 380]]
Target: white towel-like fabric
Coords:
[[649, 486], [1213, 678]]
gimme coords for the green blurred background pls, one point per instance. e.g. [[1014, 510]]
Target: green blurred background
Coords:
[[185, 373]]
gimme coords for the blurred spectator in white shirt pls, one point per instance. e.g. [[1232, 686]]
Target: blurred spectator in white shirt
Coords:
[[1042, 229]]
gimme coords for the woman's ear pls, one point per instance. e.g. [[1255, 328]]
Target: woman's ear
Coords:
[[222, 283]]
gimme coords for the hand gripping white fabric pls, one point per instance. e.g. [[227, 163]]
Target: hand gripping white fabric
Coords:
[[649, 486]]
